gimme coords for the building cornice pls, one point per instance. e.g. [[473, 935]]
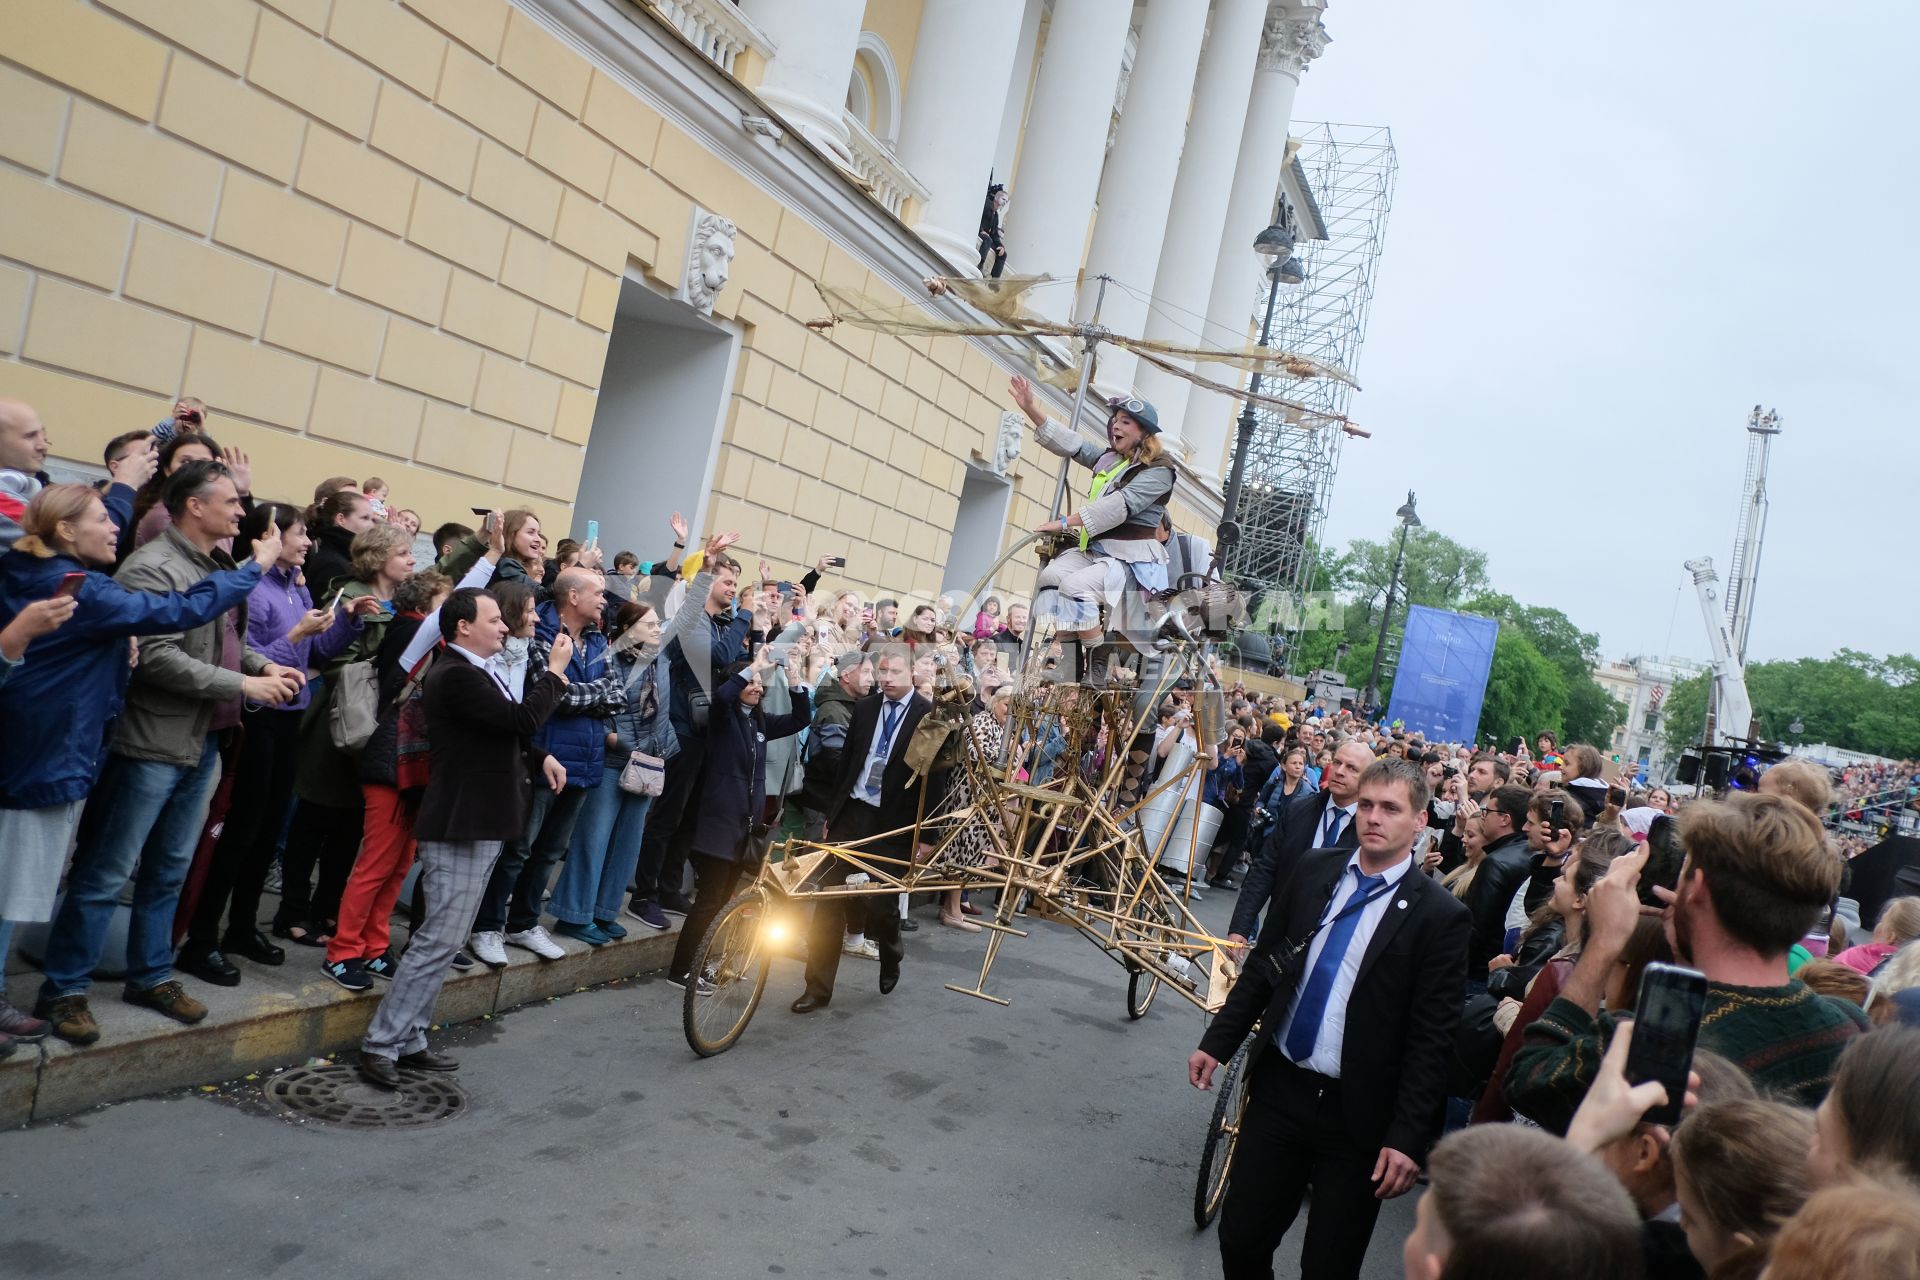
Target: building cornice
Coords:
[[639, 48]]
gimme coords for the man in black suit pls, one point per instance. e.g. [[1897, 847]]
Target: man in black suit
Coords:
[[477, 797], [874, 792], [1356, 987], [1308, 822]]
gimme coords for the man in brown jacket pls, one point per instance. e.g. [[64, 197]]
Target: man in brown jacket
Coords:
[[479, 789]]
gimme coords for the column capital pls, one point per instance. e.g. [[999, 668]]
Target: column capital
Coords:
[[1292, 37]]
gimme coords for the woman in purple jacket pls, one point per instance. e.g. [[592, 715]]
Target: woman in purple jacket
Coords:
[[282, 624]]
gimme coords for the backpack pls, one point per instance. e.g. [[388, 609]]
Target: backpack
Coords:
[[412, 757], [354, 708]]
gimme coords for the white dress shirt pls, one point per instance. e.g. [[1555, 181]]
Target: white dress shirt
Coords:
[[1346, 822], [866, 785], [1325, 1057]]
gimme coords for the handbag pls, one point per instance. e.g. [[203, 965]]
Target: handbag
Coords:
[[354, 708], [643, 775]]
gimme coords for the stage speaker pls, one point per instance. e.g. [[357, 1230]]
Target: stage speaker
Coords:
[[1688, 769], [1718, 767]]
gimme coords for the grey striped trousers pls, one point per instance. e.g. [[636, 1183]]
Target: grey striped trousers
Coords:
[[454, 879]]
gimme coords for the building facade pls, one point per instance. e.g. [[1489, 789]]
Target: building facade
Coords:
[[561, 253], [1641, 684]]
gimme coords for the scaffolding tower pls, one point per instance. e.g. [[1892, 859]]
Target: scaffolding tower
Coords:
[[1346, 173]]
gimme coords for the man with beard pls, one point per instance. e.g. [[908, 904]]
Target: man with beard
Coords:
[[1757, 872]]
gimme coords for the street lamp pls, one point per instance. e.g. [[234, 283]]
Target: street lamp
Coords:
[[1275, 244], [1408, 518]]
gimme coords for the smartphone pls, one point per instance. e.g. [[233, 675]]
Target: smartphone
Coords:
[[486, 519], [1557, 814], [837, 562], [70, 584], [1516, 746], [1666, 1024], [593, 533], [335, 602]]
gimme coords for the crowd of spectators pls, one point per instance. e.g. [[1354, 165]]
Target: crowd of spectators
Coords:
[[205, 688]]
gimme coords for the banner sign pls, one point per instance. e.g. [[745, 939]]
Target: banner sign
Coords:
[[1442, 678]]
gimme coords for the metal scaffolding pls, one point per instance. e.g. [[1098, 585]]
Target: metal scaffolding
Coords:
[[1347, 174]]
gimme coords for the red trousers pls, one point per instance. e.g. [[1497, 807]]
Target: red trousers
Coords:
[[386, 854]]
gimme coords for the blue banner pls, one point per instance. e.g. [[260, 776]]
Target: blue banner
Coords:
[[1442, 678]]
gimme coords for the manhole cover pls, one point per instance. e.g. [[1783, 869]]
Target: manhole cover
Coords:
[[337, 1095]]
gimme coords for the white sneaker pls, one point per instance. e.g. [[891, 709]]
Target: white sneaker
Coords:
[[864, 949], [537, 941], [489, 948]]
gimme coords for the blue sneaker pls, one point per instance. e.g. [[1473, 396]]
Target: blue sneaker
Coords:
[[586, 933], [381, 966], [647, 912], [350, 974], [611, 928]]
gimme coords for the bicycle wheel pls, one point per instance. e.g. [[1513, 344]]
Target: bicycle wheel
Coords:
[[734, 956], [1142, 987], [1223, 1134]]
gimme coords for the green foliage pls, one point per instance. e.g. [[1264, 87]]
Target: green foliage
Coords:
[[1591, 713], [1852, 700], [1525, 691]]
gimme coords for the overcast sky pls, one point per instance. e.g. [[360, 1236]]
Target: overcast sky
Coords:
[[1616, 229]]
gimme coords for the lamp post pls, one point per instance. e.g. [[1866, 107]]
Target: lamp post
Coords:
[[1275, 244], [1408, 519]]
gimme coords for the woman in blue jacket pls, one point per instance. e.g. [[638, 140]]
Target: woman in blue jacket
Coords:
[[733, 793], [60, 706]]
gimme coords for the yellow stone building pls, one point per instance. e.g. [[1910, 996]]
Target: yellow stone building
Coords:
[[447, 242]]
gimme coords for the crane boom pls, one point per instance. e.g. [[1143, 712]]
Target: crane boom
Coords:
[[1730, 709]]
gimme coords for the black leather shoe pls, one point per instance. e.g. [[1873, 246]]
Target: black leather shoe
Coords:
[[428, 1060], [909, 925], [808, 1003], [208, 966], [255, 946], [889, 976], [381, 1073]]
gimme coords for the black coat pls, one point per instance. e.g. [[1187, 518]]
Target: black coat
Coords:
[[1262, 760], [482, 750], [1293, 833], [735, 786], [1400, 1019], [1502, 872], [900, 795], [329, 563]]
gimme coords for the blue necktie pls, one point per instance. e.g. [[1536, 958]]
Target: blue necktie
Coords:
[[1335, 817], [1312, 1009], [892, 712]]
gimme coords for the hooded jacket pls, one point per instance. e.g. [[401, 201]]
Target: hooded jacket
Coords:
[[329, 562], [62, 702]]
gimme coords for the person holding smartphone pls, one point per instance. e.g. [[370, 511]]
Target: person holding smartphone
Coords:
[[1757, 873]]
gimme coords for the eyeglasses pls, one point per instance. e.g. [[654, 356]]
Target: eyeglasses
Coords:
[[1132, 404]]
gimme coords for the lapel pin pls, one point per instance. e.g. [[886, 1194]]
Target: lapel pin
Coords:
[[1403, 904]]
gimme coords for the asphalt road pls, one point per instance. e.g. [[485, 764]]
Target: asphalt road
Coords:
[[922, 1134]]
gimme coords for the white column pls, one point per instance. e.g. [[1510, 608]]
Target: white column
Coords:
[[1137, 188], [806, 79], [962, 58], [1293, 37], [1184, 283], [1066, 141], [1013, 113]]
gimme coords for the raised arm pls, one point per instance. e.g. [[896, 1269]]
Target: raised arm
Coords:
[[1062, 441]]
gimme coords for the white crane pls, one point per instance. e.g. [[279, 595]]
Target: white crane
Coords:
[[1745, 570], [1727, 702]]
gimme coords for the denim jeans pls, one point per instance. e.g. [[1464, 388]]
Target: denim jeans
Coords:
[[142, 811], [519, 881], [602, 856]]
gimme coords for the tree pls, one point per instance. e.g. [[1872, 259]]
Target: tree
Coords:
[[1591, 713], [1438, 571], [1851, 700], [1525, 692]]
